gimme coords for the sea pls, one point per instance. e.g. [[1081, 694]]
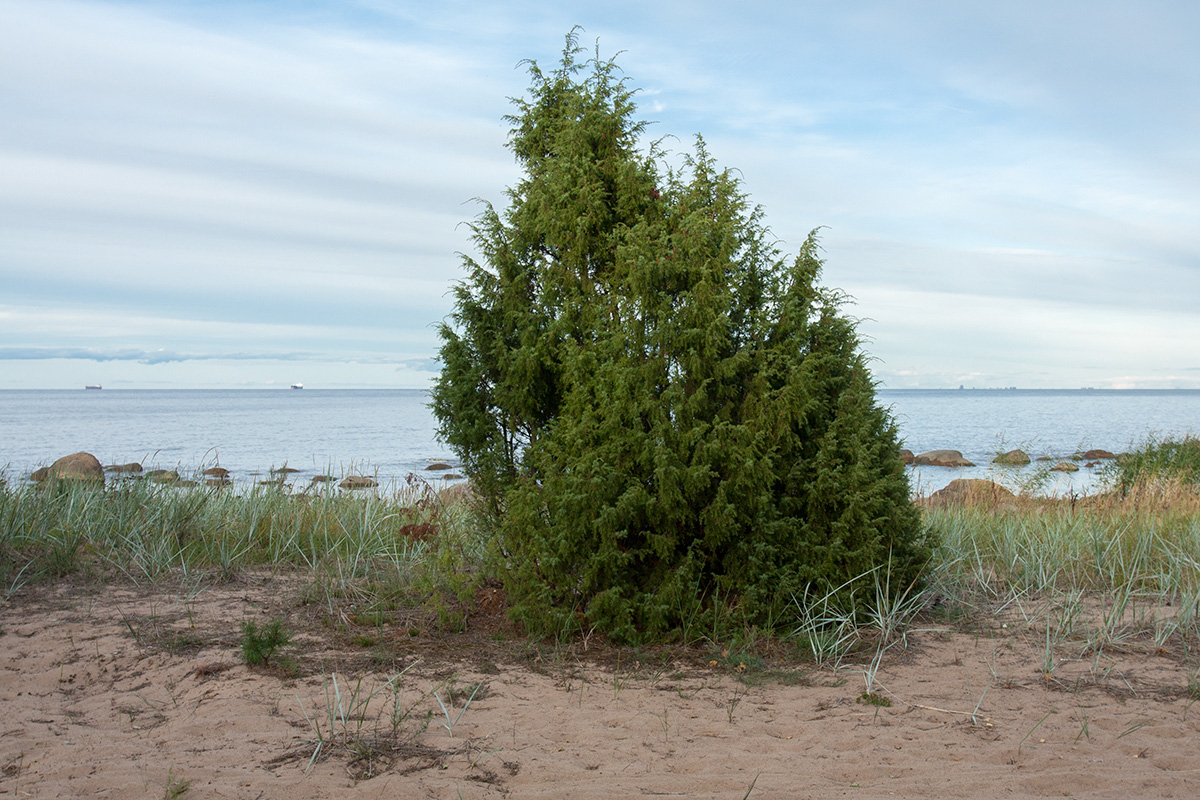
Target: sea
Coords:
[[390, 434]]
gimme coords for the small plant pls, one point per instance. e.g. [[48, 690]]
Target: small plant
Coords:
[[874, 699], [176, 787], [446, 710], [258, 646], [826, 630], [355, 722]]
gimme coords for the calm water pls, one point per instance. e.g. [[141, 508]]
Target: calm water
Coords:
[[391, 433]]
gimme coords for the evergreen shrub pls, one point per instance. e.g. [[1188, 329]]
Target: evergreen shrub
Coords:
[[667, 419]]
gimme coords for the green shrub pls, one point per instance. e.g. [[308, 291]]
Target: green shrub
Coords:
[[658, 408], [258, 646]]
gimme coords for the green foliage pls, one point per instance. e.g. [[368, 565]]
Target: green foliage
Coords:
[[656, 405], [258, 646]]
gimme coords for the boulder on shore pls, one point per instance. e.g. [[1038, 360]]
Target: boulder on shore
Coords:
[[942, 458], [83, 467], [457, 493], [970, 490], [1013, 458]]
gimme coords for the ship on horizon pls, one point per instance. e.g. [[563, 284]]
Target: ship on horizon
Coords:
[[93, 386]]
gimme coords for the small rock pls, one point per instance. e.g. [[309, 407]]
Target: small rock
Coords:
[[1065, 466], [162, 475], [1094, 455], [322, 478], [438, 466], [907, 457], [217, 472], [283, 470], [131, 467]]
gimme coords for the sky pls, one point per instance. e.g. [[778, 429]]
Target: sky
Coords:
[[240, 194]]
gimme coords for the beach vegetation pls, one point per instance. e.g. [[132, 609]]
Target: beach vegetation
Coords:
[[667, 418], [1160, 464]]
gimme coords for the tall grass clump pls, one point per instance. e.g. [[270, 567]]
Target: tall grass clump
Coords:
[[1161, 464]]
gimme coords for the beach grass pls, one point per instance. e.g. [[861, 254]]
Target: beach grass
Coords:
[[143, 531]]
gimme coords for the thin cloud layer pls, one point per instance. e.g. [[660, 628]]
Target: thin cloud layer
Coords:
[[240, 194]]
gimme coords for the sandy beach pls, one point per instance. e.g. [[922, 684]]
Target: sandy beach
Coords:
[[116, 691]]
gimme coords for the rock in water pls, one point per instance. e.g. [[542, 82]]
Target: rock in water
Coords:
[[132, 467], [942, 458], [83, 467], [907, 457], [1013, 458], [357, 482], [1093, 455], [1065, 466], [162, 475]]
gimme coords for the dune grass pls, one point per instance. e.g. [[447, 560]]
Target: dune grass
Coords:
[[143, 530]]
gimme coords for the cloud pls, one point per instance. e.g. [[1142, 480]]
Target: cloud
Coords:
[[213, 184], [168, 356]]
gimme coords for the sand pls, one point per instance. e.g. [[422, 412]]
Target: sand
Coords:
[[115, 691]]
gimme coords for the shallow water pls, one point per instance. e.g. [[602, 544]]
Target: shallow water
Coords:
[[983, 423]]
